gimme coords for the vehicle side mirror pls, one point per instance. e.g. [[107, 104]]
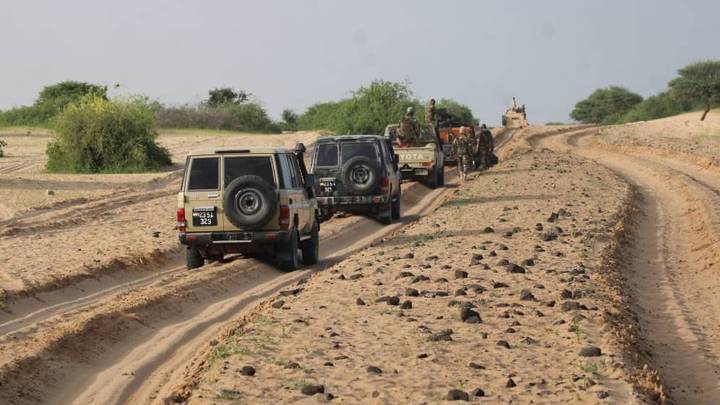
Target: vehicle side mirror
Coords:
[[300, 148]]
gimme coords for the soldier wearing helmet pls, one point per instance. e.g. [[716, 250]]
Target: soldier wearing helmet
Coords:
[[409, 130]]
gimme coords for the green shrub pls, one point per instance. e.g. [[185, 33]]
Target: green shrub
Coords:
[[459, 110], [290, 120], [368, 111], [323, 116], [230, 116], [371, 109], [99, 135], [605, 106], [51, 101], [654, 107]]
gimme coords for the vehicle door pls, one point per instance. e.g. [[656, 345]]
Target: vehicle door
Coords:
[[297, 198], [325, 167], [201, 192], [391, 165]]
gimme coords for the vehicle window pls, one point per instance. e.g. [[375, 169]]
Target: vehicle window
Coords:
[[204, 174], [260, 166], [284, 172], [351, 149], [298, 180], [327, 155], [427, 134], [292, 172]]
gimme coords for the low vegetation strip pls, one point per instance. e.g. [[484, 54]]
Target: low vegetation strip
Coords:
[[498, 294]]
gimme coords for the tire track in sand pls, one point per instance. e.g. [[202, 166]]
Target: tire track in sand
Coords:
[[671, 264]]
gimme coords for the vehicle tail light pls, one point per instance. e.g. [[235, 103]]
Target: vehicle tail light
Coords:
[[181, 221], [427, 164], [284, 216], [385, 184]]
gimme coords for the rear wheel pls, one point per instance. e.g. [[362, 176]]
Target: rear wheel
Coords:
[[287, 252], [311, 247], [193, 258], [385, 217], [433, 179], [395, 210], [441, 178]]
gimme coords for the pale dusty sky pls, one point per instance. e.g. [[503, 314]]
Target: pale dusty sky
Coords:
[[293, 53]]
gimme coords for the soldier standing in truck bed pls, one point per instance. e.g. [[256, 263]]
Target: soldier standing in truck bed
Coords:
[[409, 130], [430, 112]]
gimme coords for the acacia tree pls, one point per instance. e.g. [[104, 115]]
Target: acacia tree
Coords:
[[605, 106], [225, 95], [699, 83]]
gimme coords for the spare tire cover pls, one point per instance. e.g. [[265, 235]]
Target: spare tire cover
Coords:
[[360, 174], [249, 202]]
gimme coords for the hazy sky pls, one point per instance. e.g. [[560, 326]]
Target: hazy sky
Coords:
[[294, 53]]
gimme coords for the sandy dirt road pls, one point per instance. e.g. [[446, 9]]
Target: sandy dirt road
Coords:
[[521, 244], [151, 324], [671, 261]]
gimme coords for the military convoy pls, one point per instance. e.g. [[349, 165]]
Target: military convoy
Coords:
[[264, 201]]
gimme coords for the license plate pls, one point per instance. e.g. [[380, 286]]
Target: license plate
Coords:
[[327, 186], [204, 216]]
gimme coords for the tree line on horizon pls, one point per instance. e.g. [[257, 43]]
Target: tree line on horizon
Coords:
[[697, 87], [95, 133], [366, 111]]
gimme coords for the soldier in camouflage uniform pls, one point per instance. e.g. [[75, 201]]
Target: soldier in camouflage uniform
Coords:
[[480, 156], [430, 112], [409, 130], [461, 149], [473, 141], [489, 143]]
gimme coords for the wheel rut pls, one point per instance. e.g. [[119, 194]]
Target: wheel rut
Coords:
[[671, 264]]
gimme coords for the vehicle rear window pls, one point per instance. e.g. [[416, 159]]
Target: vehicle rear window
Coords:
[[352, 149], [260, 166], [327, 155], [204, 174], [427, 134]]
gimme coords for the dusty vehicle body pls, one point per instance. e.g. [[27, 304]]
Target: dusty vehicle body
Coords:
[[357, 174], [249, 201], [515, 116], [423, 160]]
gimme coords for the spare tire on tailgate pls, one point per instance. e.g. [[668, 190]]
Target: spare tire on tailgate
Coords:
[[360, 174], [249, 201]]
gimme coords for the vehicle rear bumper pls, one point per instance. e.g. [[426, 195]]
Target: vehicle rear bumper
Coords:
[[410, 171], [232, 238], [351, 200]]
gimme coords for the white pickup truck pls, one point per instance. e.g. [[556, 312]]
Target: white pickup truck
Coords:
[[422, 160]]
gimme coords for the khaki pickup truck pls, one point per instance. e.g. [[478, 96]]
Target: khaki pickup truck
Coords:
[[422, 160]]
